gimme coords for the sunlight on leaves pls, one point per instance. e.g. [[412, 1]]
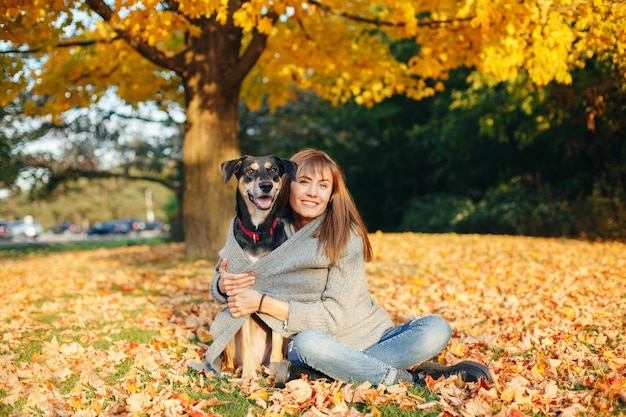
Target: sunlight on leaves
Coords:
[[110, 331]]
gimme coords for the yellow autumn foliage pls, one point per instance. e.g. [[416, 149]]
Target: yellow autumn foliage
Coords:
[[340, 50], [207, 54]]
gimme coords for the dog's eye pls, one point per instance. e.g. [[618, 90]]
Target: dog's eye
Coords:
[[272, 170], [249, 171]]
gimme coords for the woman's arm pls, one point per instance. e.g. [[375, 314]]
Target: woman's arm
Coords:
[[250, 301], [225, 284], [234, 290]]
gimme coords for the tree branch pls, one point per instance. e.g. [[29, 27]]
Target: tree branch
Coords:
[[69, 174], [62, 44], [173, 5], [378, 22], [252, 53], [166, 60]]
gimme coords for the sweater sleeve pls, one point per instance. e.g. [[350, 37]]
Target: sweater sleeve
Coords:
[[238, 261], [217, 296]]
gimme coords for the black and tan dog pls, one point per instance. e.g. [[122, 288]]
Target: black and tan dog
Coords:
[[259, 179], [258, 231]]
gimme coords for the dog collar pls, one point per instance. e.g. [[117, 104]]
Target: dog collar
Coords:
[[256, 236]]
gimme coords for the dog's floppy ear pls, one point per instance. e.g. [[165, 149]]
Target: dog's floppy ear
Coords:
[[231, 167], [287, 166]]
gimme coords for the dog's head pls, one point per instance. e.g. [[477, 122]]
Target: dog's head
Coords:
[[259, 179]]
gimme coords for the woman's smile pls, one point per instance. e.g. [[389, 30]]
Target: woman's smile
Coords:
[[309, 195]]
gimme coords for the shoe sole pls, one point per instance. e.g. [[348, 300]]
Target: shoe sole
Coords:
[[435, 367]]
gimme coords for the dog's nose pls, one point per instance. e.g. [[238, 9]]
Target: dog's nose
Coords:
[[265, 186]]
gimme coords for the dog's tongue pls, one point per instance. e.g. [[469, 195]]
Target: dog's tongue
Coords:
[[264, 202]]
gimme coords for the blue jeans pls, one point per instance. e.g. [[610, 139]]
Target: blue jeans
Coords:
[[401, 347]]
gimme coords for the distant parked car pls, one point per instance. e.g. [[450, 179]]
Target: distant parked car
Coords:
[[158, 225], [110, 227], [100, 228], [135, 225], [5, 230], [66, 227], [22, 229]]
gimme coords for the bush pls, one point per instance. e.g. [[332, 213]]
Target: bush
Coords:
[[174, 219], [600, 217], [520, 208], [516, 209], [436, 213]]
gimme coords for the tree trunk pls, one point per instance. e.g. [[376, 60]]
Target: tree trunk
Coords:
[[212, 74], [208, 204]]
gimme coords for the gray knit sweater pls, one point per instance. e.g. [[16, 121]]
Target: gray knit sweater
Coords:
[[330, 297]]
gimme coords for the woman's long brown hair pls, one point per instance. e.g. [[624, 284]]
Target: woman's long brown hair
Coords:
[[342, 216]]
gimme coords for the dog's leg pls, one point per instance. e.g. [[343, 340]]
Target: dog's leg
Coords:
[[247, 352], [229, 355], [277, 348]]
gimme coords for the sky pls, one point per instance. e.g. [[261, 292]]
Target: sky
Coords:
[[132, 130]]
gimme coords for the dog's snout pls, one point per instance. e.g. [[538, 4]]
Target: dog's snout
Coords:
[[266, 186]]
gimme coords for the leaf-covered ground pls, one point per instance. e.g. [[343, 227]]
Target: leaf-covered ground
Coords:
[[108, 332]]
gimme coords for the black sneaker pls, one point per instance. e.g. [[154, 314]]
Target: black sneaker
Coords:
[[469, 371], [287, 371]]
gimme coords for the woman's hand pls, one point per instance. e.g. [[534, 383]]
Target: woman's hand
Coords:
[[244, 302], [231, 284]]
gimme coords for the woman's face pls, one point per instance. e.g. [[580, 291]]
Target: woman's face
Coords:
[[310, 194]]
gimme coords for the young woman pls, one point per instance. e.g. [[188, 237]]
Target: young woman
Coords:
[[313, 289]]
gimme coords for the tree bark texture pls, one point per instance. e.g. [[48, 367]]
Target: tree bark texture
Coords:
[[208, 203], [211, 137]]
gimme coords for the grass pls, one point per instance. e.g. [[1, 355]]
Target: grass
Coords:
[[237, 405], [14, 250]]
